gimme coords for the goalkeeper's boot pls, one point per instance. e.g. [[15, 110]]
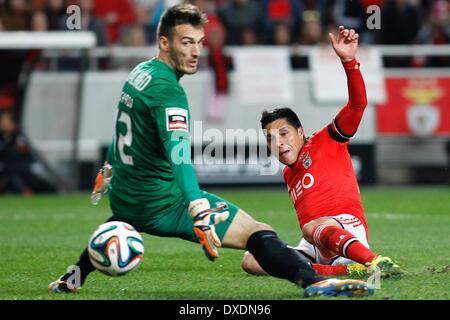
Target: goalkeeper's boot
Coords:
[[336, 287], [101, 183], [386, 266], [59, 286], [356, 270]]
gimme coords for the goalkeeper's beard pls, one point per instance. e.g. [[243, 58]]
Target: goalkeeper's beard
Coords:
[[180, 63]]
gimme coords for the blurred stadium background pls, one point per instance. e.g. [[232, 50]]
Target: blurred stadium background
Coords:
[[59, 87]]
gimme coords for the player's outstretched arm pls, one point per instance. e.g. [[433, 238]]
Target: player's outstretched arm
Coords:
[[177, 147], [203, 216], [346, 123]]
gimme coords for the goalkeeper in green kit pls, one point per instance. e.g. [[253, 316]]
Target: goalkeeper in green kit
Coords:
[[153, 184]]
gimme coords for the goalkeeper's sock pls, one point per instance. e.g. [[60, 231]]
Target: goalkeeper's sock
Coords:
[[85, 265], [342, 243], [280, 261]]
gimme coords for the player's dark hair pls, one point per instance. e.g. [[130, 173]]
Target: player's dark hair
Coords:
[[280, 113], [180, 14]]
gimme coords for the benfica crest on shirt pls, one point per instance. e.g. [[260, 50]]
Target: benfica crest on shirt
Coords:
[[306, 159]]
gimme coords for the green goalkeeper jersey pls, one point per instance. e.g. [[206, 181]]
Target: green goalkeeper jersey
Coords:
[[152, 170]]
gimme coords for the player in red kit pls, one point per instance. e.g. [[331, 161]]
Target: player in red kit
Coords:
[[321, 180]]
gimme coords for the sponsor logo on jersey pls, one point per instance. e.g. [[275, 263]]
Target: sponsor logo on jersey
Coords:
[[306, 182], [176, 119], [306, 159]]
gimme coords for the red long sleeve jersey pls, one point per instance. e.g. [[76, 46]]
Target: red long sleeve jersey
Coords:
[[322, 182]]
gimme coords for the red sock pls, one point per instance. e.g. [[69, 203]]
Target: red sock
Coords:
[[326, 270], [342, 243]]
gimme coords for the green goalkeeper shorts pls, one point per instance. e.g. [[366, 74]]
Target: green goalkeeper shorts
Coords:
[[176, 223]]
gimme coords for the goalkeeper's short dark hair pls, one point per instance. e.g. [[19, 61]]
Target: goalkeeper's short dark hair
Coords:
[[180, 14], [280, 113]]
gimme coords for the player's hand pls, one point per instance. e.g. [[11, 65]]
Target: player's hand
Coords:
[[102, 181], [345, 44], [205, 220]]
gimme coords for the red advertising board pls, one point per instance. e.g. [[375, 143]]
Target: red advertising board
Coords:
[[415, 106]]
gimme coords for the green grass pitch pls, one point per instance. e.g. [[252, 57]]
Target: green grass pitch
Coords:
[[42, 235]]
